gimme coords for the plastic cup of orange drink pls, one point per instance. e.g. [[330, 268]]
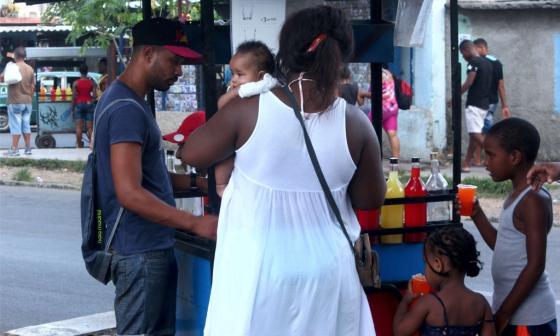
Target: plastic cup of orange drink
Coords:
[[467, 194], [419, 285]]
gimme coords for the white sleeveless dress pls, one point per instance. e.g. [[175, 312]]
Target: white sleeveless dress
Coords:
[[283, 266]]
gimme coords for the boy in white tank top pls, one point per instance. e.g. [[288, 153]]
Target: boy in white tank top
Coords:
[[523, 300]]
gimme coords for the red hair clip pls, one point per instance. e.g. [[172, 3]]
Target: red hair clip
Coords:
[[316, 42]]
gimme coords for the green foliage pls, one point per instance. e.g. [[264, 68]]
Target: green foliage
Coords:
[[489, 188], [73, 166], [23, 175], [98, 21]]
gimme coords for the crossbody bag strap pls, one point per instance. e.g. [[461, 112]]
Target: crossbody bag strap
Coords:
[[317, 167], [101, 115]]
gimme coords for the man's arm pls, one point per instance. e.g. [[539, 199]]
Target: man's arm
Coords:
[[531, 218], [471, 76], [126, 168], [502, 93]]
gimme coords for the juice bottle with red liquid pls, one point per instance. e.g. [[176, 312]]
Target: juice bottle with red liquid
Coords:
[[415, 214], [368, 219]]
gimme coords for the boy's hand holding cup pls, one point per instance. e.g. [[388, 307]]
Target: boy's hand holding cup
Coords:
[[466, 198]]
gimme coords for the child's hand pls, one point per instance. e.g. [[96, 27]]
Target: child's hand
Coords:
[[409, 295], [477, 209]]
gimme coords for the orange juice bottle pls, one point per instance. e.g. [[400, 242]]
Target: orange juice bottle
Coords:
[[392, 215]]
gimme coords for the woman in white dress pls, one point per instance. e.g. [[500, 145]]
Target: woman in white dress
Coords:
[[282, 265]]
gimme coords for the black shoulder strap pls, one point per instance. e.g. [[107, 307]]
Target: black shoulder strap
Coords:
[[444, 309], [317, 167], [101, 115]]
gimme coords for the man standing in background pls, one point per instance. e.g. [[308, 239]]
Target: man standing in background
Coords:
[[478, 84], [20, 97], [498, 87]]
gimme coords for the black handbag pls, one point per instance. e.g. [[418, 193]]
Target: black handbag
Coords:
[[367, 260], [95, 248]]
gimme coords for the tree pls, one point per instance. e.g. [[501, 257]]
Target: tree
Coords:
[[99, 22]]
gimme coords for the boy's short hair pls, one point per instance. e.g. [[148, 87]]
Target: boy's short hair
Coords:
[[261, 53], [481, 42], [465, 45], [345, 73], [517, 134]]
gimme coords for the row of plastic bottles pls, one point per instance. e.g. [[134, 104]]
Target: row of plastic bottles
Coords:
[[55, 93], [409, 215], [194, 205]]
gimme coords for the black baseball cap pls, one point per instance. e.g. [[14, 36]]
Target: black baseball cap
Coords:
[[166, 33]]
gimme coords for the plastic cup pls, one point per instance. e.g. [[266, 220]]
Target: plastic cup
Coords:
[[467, 194], [420, 285]]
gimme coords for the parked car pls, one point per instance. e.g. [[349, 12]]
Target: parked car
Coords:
[[47, 80]]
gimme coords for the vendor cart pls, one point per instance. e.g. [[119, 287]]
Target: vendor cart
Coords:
[[54, 102]]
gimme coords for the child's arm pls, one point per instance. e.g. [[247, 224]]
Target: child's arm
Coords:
[[532, 218], [226, 97], [486, 229], [488, 328], [407, 322], [223, 173]]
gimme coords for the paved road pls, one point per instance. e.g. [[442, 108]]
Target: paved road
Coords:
[[62, 140], [42, 277]]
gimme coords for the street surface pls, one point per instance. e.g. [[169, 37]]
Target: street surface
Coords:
[[42, 274], [43, 279]]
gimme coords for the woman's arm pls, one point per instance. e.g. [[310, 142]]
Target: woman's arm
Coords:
[[367, 188]]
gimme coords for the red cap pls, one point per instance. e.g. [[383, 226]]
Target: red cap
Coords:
[[189, 124]]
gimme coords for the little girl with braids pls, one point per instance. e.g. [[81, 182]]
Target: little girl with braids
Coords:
[[451, 309]]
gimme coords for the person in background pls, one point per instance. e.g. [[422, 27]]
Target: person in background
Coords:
[[20, 98], [83, 95], [347, 89], [522, 299], [133, 175], [498, 88], [451, 309], [479, 87], [282, 264], [104, 79]]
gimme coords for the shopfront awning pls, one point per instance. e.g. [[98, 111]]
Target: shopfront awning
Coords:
[[34, 29]]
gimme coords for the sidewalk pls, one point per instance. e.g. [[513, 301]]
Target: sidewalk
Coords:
[[81, 154], [66, 154]]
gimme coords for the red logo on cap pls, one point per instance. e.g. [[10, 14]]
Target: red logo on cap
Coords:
[[180, 37]]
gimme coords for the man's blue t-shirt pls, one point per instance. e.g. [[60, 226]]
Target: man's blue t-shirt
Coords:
[[126, 122]]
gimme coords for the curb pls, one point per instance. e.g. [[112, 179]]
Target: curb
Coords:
[[40, 185], [96, 324]]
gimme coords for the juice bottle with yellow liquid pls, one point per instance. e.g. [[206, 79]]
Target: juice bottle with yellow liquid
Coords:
[[392, 215]]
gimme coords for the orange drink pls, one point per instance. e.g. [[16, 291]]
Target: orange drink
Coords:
[[419, 284], [467, 195]]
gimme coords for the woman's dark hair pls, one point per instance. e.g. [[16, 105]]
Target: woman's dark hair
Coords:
[[459, 246], [263, 58], [324, 63], [517, 134], [83, 69]]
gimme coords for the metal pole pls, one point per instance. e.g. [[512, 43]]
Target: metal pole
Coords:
[[146, 14], [209, 80], [376, 82], [455, 98]]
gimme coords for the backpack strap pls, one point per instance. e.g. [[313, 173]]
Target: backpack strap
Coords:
[[101, 115]]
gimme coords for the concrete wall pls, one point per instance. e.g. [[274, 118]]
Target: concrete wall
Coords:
[[528, 44]]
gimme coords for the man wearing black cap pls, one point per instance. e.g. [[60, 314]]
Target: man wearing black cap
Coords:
[[132, 175]]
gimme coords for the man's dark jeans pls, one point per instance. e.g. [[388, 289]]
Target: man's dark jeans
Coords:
[[146, 285]]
